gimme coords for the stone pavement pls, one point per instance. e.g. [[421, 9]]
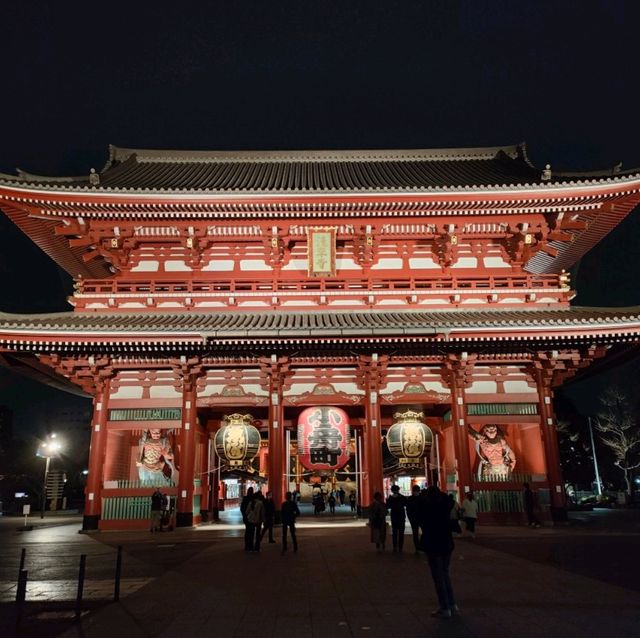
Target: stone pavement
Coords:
[[338, 585]]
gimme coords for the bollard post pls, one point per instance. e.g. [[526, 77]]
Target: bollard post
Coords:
[[116, 592], [83, 561], [21, 593]]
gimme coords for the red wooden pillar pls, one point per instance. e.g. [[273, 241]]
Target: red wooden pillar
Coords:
[[97, 450], [549, 436], [205, 501], [276, 369], [277, 457], [373, 448], [456, 370], [371, 369], [184, 516]]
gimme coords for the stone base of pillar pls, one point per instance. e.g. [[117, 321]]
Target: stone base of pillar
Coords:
[[90, 522], [184, 519], [204, 515]]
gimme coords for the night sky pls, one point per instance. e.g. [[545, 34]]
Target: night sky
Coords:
[[561, 76]]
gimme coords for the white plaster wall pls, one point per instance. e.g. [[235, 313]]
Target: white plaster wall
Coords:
[[146, 265], [163, 392], [422, 263], [495, 262], [347, 263], [222, 265], [466, 262], [385, 263], [254, 264], [296, 264], [174, 265], [482, 387], [346, 302], [386, 301], [127, 392], [518, 387], [299, 302]]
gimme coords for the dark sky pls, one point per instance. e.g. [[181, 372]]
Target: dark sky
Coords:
[[561, 76]]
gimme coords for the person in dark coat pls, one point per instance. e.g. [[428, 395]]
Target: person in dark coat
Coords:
[[377, 521], [530, 505], [156, 511], [341, 494], [437, 542], [269, 517], [332, 503], [395, 504], [414, 514], [289, 514], [248, 528]]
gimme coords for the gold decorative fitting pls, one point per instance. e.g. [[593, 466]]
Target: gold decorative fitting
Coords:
[[408, 415], [114, 242], [369, 240], [528, 239], [274, 242], [237, 419], [454, 240], [189, 242]]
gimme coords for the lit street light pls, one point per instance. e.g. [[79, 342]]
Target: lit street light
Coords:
[[50, 447]]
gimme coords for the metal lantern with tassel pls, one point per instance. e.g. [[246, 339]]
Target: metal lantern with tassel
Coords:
[[237, 442], [409, 439]]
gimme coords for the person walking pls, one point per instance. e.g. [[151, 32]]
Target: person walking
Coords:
[[352, 501], [396, 506], [269, 517], [454, 515], [470, 513], [157, 502], [437, 542], [341, 495], [414, 514], [289, 513], [530, 505], [248, 530], [255, 519], [378, 521], [332, 503]]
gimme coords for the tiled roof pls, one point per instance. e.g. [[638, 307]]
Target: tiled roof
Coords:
[[124, 327], [313, 171]]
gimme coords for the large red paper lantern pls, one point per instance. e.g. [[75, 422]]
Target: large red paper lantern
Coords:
[[323, 438]]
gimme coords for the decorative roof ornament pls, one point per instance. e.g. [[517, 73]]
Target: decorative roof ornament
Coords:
[[546, 173], [94, 178]]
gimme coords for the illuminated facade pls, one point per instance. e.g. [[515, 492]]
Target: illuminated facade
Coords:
[[212, 286]]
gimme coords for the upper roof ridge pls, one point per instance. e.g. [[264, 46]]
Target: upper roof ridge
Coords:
[[118, 154]]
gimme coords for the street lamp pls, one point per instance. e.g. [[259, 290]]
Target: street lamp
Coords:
[[595, 460], [47, 449]]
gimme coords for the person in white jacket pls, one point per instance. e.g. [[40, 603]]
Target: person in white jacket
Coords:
[[469, 509]]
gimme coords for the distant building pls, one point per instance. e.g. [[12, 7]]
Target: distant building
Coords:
[[398, 314]]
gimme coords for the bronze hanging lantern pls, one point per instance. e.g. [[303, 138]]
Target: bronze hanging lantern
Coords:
[[409, 439], [237, 442]]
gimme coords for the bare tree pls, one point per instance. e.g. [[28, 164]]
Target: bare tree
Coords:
[[619, 431]]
